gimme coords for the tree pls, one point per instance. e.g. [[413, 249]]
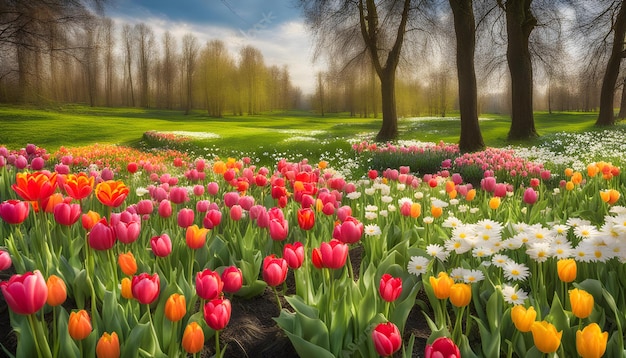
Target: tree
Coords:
[[379, 32], [606, 117], [109, 43], [145, 45], [168, 73], [129, 43], [465, 30], [190, 54], [218, 69], [520, 22]]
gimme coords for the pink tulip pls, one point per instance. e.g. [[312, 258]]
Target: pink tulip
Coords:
[[178, 195], [274, 270], [146, 288], [209, 284], [294, 255], [390, 287], [14, 211], [25, 294], [231, 198], [161, 245], [333, 254], [350, 231], [5, 260], [530, 196], [185, 217], [279, 229], [67, 214], [387, 339], [236, 212], [217, 313], [102, 236], [232, 279], [442, 347], [212, 218], [165, 209], [212, 188], [145, 207]]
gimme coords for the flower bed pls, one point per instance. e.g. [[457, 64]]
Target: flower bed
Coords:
[[508, 266]]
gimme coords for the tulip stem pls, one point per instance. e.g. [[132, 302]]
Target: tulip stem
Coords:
[[41, 342], [217, 341], [113, 268], [350, 271], [280, 306], [54, 332], [191, 262], [156, 338]]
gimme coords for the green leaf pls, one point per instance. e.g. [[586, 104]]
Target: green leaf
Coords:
[[134, 340]]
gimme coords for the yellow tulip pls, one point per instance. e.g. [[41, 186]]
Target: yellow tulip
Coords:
[[581, 302], [441, 285], [591, 341], [460, 294], [523, 318], [545, 336], [566, 270], [494, 202], [127, 292]]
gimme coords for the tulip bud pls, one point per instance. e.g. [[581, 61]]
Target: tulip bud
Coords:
[[195, 237], [294, 254], [57, 291], [217, 313], [146, 288], [390, 287], [127, 291], [232, 279], [545, 336], [387, 339], [274, 270], [127, 263], [108, 346], [441, 285], [5, 260], [161, 245], [209, 284], [79, 325], [566, 270], [581, 302], [591, 341], [442, 347], [530, 196], [494, 203], [523, 318], [193, 338], [175, 307], [460, 294]]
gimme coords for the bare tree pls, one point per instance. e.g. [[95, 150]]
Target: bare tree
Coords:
[[168, 73], [376, 28], [465, 29], [108, 48], [145, 45], [129, 40], [190, 54]]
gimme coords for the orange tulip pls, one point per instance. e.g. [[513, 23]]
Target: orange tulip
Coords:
[[449, 186], [78, 186], [195, 236], [523, 318], [108, 346], [127, 263], [471, 194], [592, 170], [441, 285], [57, 291], [48, 203], [569, 172], [416, 210], [452, 194], [460, 294], [581, 302], [90, 219], [193, 338], [566, 269], [127, 291], [112, 193], [569, 186], [545, 337], [79, 325], [322, 164], [436, 211], [219, 167], [577, 178], [610, 196], [175, 307]]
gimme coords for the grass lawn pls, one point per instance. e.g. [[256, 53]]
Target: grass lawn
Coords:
[[74, 125]]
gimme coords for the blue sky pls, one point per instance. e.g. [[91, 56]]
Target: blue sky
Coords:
[[275, 27]]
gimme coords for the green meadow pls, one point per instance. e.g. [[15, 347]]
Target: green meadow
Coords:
[[292, 131]]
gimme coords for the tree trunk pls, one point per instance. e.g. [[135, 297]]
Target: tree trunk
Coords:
[[622, 106], [606, 117], [389, 129], [519, 24], [464, 25]]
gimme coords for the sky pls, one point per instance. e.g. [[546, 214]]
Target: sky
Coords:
[[275, 27]]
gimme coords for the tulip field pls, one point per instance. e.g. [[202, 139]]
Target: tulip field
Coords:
[[510, 252]]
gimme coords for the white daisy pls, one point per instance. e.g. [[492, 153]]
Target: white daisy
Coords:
[[451, 222], [512, 243], [463, 208], [539, 251], [370, 191], [458, 273], [428, 220], [459, 246], [354, 195], [541, 234], [586, 231], [500, 260], [371, 208], [617, 209], [482, 251], [490, 225], [371, 215], [584, 252], [575, 222], [418, 195], [563, 251], [386, 199], [513, 296], [141, 191], [403, 200], [391, 208], [473, 276], [474, 210], [560, 230], [383, 213], [418, 265], [438, 251], [515, 271], [454, 202], [372, 230]]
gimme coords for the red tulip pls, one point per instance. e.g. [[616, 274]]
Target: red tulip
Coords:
[[179, 195], [306, 218], [442, 347], [25, 294], [14, 211], [390, 287], [217, 313], [333, 254], [165, 209], [274, 270], [279, 229], [232, 279], [209, 284], [236, 212], [90, 219], [294, 254], [161, 245], [387, 339], [316, 258], [146, 288], [145, 207], [349, 231], [185, 217], [67, 214], [101, 236]]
